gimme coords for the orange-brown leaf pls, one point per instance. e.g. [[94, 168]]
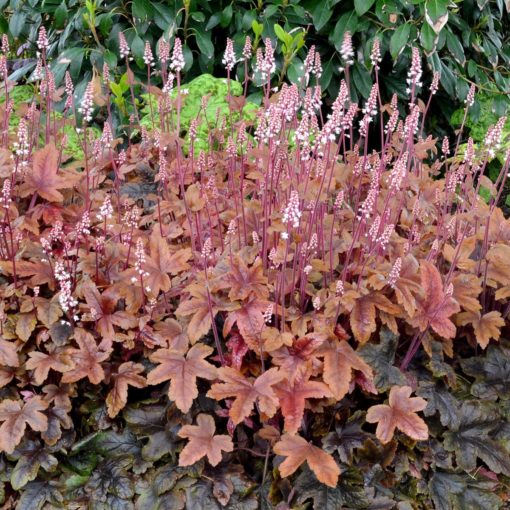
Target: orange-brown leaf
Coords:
[[182, 371], [485, 326], [160, 263], [362, 319], [104, 311], [87, 359], [408, 284], [8, 354], [203, 442], [127, 374], [25, 324], [48, 312], [400, 414], [498, 258], [247, 391], [250, 321], [40, 272], [198, 307], [43, 177], [41, 363], [301, 357], [293, 396], [462, 254], [298, 450], [340, 360], [15, 416], [245, 281], [466, 289], [434, 307]]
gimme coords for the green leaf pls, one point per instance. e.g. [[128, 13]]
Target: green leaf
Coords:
[[110, 58], [151, 499], [362, 80], [160, 444], [491, 373], [282, 35], [451, 491], [440, 399], [31, 456], [226, 16], [205, 44], [399, 39], [213, 21], [257, 28], [105, 23], [146, 419], [428, 37], [17, 23], [61, 15], [201, 495], [111, 483], [346, 437], [137, 47], [141, 9], [114, 444], [116, 89], [321, 15], [362, 6], [36, 494], [436, 9], [455, 47], [198, 16], [437, 365], [471, 438], [347, 23], [381, 358], [447, 79], [348, 493], [295, 71], [270, 11]]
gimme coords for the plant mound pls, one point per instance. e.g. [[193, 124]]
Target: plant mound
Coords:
[[306, 312]]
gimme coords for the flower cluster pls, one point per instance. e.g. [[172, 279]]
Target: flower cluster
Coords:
[[87, 103], [65, 297], [229, 57], [292, 212]]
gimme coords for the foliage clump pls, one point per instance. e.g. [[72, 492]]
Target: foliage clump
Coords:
[[309, 311]]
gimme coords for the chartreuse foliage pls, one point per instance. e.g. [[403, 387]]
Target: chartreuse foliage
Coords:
[[214, 94], [22, 96], [285, 319]]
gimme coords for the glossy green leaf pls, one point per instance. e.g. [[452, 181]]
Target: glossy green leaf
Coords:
[[321, 15], [362, 6], [205, 44], [455, 47], [347, 23], [428, 37], [141, 9], [362, 79], [61, 14], [226, 15], [213, 21], [17, 23], [198, 16], [399, 39], [436, 9]]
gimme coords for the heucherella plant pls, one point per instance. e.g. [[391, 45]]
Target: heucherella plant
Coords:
[[257, 297]]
